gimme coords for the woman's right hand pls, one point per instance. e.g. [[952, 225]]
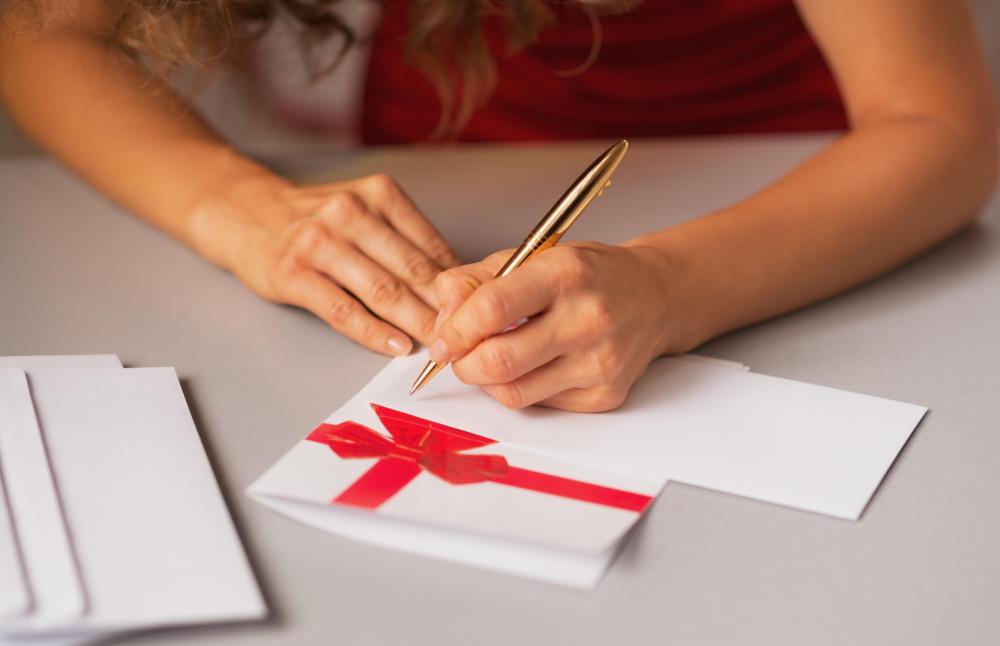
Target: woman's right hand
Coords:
[[357, 254]]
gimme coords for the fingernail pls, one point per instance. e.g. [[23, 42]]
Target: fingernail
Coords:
[[439, 351], [399, 345], [440, 318]]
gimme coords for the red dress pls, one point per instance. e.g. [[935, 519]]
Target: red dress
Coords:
[[668, 67]]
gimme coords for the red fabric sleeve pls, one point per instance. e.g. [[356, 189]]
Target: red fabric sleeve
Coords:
[[668, 67]]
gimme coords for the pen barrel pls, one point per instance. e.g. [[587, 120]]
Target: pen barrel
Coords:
[[533, 245], [568, 208]]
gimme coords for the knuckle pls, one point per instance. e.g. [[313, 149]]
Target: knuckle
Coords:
[[448, 281], [427, 328], [341, 312], [456, 337], [497, 259], [492, 309], [369, 331], [308, 237], [385, 290], [419, 269], [496, 363], [342, 207], [510, 395], [382, 184], [444, 280], [605, 399], [464, 373], [599, 315], [438, 248], [287, 266], [608, 364], [573, 266]]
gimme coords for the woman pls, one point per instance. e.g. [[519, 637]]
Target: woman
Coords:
[[918, 160]]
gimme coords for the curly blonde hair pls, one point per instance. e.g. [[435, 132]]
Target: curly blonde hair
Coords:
[[445, 42]]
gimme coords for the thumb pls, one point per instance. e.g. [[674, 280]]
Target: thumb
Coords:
[[454, 286]]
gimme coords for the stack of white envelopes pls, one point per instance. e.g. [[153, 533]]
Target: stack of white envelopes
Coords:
[[110, 516], [547, 494]]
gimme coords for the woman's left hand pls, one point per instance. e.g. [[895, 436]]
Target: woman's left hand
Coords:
[[596, 316]]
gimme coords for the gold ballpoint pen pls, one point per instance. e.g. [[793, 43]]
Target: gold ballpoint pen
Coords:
[[556, 222]]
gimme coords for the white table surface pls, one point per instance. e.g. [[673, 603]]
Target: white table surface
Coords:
[[77, 275]]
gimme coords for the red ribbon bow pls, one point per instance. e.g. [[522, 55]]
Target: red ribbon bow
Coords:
[[416, 444]]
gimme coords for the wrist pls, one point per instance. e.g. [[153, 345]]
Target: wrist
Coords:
[[242, 199], [684, 317]]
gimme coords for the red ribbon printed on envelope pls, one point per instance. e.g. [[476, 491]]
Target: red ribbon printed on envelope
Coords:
[[415, 444]]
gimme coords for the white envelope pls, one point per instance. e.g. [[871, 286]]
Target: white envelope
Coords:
[[55, 587], [777, 440], [408, 483], [61, 361], [15, 599], [56, 590], [56, 640], [155, 543]]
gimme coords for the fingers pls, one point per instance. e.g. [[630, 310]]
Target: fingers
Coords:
[[388, 248], [493, 307], [543, 383], [587, 400], [562, 383], [314, 292], [364, 238], [386, 197], [506, 357], [383, 293], [454, 286]]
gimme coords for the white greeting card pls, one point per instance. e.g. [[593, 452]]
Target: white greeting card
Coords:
[[383, 470], [777, 440]]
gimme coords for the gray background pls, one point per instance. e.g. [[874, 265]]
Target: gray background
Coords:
[[921, 567]]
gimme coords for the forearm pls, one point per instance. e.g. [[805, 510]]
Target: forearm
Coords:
[[868, 202], [115, 124]]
